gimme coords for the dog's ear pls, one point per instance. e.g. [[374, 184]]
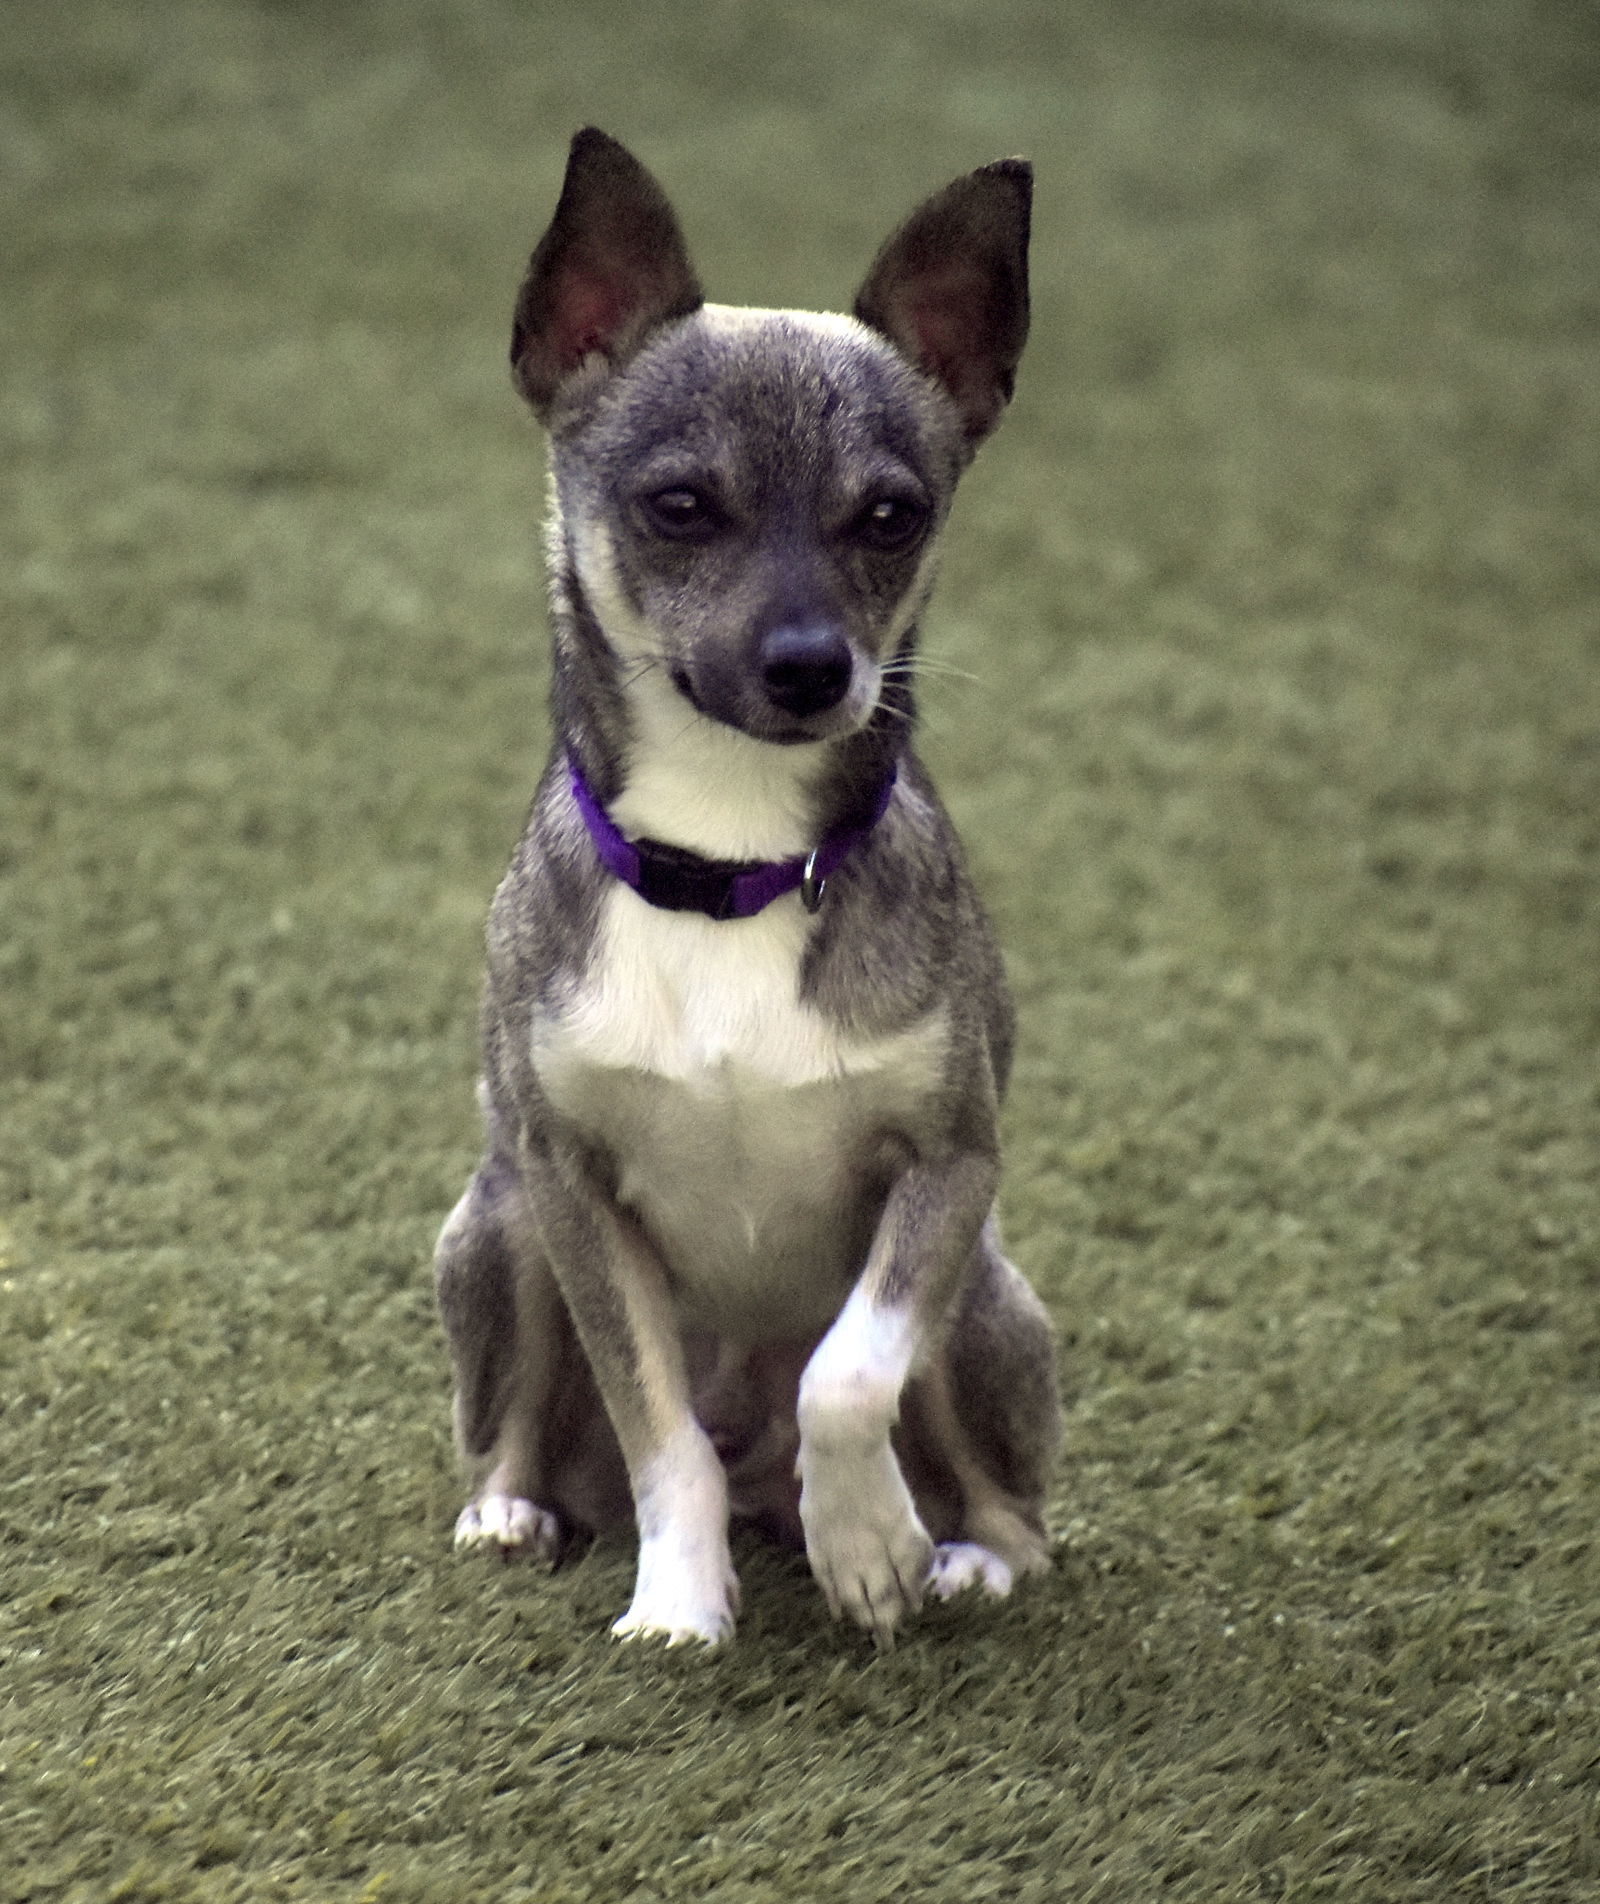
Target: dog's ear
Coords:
[[950, 289], [611, 267]]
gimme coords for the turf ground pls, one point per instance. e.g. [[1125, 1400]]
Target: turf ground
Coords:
[[1277, 743]]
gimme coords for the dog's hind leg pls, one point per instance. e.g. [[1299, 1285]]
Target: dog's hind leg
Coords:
[[989, 1413], [511, 1342]]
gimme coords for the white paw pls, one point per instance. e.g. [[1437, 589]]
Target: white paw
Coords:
[[868, 1550], [960, 1564], [686, 1588], [681, 1597], [677, 1625], [511, 1525]]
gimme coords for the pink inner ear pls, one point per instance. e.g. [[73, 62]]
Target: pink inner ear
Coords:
[[590, 309], [945, 322], [949, 318]]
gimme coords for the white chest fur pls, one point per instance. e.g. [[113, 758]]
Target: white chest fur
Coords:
[[748, 1132]]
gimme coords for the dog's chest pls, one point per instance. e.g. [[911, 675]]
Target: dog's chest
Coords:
[[746, 1130]]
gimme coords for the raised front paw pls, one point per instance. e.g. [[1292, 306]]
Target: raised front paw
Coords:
[[869, 1551], [510, 1526]]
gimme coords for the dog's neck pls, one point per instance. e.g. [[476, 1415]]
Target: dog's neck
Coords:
[[666, 772], [691, 781]]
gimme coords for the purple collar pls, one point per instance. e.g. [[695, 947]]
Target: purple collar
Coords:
[[680, 881]]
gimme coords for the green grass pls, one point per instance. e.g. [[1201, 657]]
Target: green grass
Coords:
[[1280, 766]]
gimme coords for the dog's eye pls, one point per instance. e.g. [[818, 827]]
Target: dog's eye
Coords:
[[890, 522], [681, 513]]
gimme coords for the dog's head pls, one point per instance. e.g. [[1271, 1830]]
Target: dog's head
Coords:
[[751, 498]]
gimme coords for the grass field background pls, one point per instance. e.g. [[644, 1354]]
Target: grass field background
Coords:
[[1279, 760]]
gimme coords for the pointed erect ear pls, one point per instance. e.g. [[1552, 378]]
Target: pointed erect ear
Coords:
[[610, 268], [950, 289]]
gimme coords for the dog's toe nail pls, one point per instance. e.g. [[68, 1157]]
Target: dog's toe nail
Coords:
[[513, 1527]]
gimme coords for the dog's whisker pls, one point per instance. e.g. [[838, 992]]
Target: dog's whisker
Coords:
[[930, 665], [644, 663]]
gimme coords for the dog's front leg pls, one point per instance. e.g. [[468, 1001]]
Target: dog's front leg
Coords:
[[616, 1291], [868, 1549]]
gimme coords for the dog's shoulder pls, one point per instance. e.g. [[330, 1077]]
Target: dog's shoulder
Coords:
[[905, 932]]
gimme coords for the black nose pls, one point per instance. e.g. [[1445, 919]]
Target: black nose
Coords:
[[805, 667]]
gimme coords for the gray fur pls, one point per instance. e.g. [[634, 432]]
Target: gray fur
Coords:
[[563, 1283]]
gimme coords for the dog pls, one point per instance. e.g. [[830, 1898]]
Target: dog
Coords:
[[731, 1248]]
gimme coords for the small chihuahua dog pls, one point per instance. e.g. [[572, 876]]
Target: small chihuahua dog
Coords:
[[731, 1248]]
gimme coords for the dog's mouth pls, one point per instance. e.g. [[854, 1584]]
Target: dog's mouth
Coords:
[[764, 718]]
